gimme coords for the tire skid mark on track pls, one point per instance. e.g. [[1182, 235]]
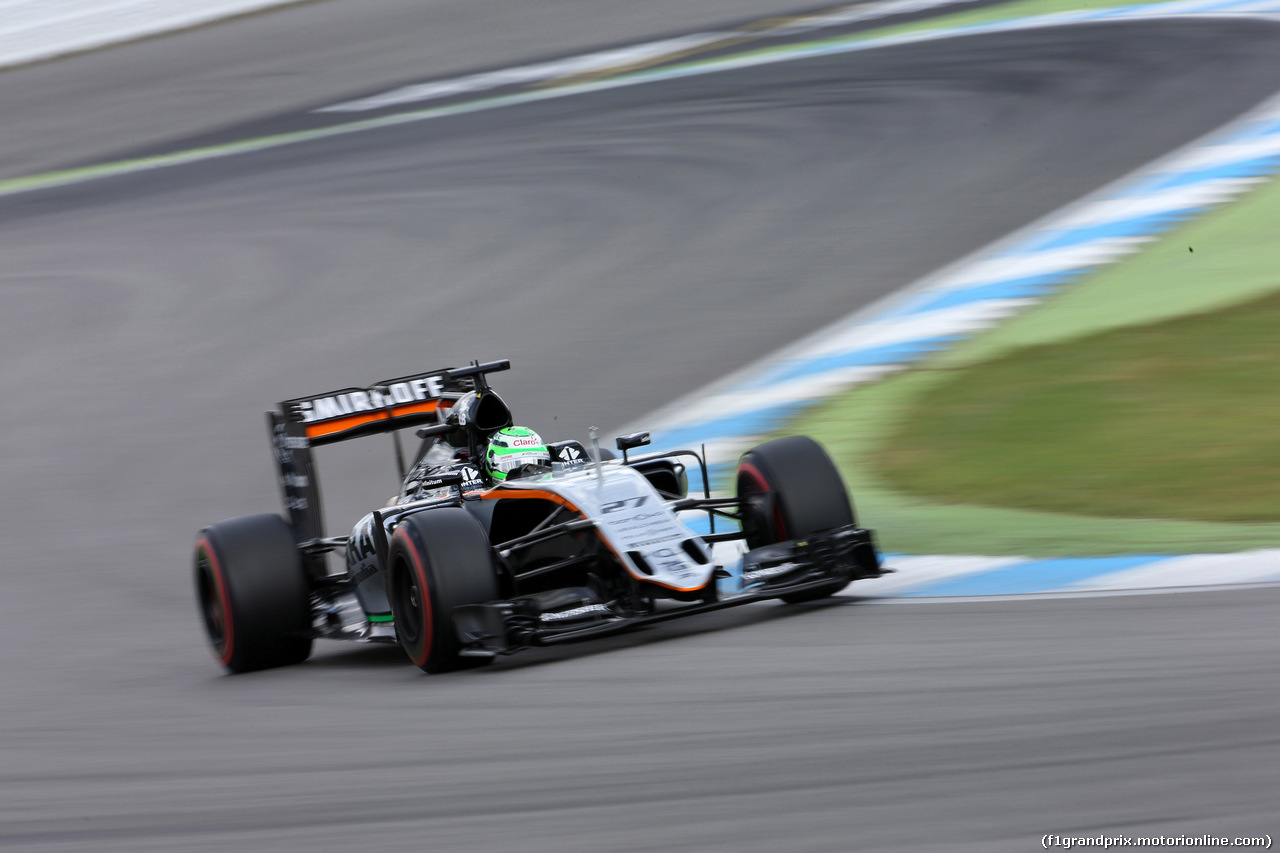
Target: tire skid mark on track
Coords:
[[615, 61], [1269, 10]]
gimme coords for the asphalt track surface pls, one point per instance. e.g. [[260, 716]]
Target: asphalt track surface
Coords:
[[622, 249]]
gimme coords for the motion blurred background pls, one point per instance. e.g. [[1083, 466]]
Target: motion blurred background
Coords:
[[626, 247]]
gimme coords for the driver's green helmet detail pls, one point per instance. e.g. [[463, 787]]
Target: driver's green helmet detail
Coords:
[[515, 451]]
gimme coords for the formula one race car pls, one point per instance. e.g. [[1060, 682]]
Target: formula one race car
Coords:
[[498, 542]]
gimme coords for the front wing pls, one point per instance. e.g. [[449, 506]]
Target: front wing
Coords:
[[794, 567]]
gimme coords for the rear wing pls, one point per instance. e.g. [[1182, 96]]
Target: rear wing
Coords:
[[351, 412], [304, 423]]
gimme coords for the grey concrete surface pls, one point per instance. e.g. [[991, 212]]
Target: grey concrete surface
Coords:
[[201, 80], [621, 249]]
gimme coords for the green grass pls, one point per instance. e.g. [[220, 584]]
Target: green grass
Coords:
[[1235, 258], [1174, 420], [854, 426]]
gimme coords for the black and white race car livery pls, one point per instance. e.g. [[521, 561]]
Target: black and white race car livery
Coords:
[[459, 567]]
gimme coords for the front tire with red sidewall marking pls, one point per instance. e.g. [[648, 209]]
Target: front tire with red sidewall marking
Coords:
[[438, 560], [253, 594], [794, 491]]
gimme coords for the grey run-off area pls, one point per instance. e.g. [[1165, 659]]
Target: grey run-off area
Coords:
[[621, 249]]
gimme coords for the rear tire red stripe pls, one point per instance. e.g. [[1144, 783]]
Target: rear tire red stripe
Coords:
[[416, 559], [220, 581], [762, 484]]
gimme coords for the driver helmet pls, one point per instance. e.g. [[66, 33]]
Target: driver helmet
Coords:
[[515, 451]]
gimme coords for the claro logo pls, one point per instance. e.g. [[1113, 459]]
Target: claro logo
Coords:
[[368, 400]]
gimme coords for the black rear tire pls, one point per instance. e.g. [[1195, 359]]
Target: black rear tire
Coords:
[[438, 560], [799, 492], [253, 594]]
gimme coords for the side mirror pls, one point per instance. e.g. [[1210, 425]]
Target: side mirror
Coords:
[[627, 442], [439, 429]]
